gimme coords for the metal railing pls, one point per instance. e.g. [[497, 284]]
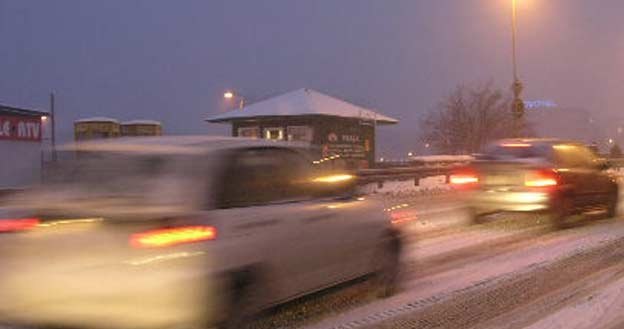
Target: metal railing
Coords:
[[431, 169]]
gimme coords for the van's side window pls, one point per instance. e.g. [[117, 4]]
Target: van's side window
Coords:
[[261, 176]]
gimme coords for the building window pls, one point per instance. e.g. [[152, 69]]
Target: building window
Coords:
[[249, 132], [274, 133], [300, 133]]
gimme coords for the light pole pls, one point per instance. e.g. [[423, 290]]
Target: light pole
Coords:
[[232, 95], [53, 127], [518, 105]]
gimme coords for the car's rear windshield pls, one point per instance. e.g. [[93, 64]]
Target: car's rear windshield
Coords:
[[516, 151]]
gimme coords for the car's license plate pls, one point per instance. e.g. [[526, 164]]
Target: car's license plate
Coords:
[[498, 180]]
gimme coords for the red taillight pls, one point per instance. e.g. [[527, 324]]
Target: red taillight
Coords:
[[541, 178], [15, 225], [173, 236], [464, 179]]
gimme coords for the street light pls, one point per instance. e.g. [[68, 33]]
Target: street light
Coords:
[[230, 95], [516, 87]]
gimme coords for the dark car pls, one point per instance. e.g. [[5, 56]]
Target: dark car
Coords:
[[560, 177]]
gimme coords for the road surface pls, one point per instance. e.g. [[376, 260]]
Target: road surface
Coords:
[[512, 272]]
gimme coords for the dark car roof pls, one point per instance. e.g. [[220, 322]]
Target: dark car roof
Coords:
[[523, 148], [537, 141]]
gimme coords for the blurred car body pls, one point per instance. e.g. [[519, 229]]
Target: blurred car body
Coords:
[[180, 231], [527, 175]]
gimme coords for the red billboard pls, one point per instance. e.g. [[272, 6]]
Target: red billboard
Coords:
[[20, 128]]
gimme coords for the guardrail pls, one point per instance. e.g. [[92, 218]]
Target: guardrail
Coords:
[[423, 169], [430, 176], [412, 181], [405, 173]]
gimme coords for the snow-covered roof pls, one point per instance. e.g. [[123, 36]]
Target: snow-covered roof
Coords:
[[97, 119], [302, 102], [141, 122], [12, 110]]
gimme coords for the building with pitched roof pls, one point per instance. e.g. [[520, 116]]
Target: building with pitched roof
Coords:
[[336, 127]]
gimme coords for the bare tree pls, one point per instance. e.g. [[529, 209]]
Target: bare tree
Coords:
[[468, 118]]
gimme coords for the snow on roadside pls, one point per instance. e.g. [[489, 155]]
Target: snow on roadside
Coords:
[[427, 185], [601, 309]]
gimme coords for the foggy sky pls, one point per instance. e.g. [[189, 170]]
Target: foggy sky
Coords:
[[172, 60]]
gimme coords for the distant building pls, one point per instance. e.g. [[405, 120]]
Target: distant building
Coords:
[[141, 128], [96, 128], [21, 135], [334, 126]]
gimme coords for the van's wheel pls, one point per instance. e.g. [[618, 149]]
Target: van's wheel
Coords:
[[244, 299], [387, 264]]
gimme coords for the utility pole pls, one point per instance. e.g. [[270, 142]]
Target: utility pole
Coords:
[[52, 128], [517, 107]]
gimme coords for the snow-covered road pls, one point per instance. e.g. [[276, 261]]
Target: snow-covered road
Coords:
[[487, 282], [513, 272]]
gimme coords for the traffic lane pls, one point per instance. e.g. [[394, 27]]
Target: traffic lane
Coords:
[[531, 248], [334, 301], [591, 302], [440, 287], [426, 256], [489, 299]]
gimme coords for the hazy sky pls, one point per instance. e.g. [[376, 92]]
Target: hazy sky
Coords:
[[171, 60]]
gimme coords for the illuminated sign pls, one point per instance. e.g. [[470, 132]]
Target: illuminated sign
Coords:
[[20, 128], [539, 104], [346, 145]]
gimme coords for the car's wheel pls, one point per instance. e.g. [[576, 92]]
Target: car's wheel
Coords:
[[387, 265], [612, 205], [475, 217], [560, 212], [244, 299]]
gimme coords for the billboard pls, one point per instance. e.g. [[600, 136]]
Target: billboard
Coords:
[[20, 128]]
